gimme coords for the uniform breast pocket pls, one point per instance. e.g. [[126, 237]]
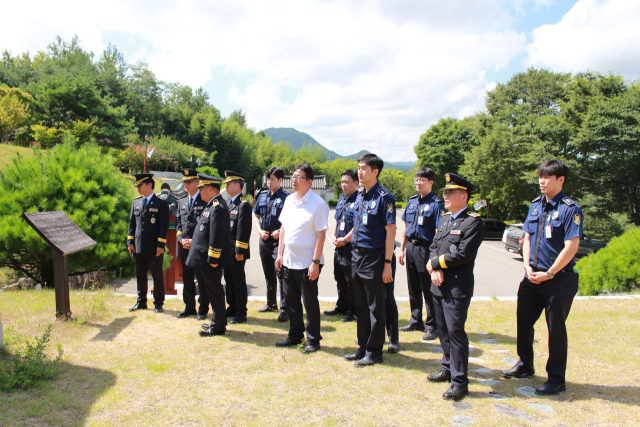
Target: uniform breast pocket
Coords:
[[409, 215], [201, 249], [453, 242], [136, 213]]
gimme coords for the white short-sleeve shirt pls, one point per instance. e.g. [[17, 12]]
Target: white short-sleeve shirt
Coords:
[[301, 219]]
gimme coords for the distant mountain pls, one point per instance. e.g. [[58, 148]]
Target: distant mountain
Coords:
[[297, 139]]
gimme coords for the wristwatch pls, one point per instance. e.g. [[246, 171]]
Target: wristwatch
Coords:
[[387, 261], [316, 261], [550, 274]]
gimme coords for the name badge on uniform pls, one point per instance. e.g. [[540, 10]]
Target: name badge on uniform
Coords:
[[420, 220], [273, 211], [365, 218], [201, 227], [231, 223], [153, 220], [342, 226], [547, 231]]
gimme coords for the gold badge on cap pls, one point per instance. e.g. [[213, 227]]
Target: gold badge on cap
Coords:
[[447, 177]]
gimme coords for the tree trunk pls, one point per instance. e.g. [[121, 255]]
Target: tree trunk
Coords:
[[511, 209], [46, 272]]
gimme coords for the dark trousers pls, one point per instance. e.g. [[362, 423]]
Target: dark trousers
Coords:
[[210, 281], [451, 315], [189, 289], [297, 285], [268, 255], [370, 295], [236, 288], [555, 297], [346, 303], [391, 307], [144, 263], [419, 283]]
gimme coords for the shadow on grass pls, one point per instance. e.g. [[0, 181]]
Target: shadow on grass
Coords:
[[109, 332], [67, 401]]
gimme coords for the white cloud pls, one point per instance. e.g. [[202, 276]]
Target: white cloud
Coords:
[[369, 74], [594, 35]]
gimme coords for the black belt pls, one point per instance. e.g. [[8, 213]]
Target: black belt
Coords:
[[420, 242], [537, 270], [365, 250]]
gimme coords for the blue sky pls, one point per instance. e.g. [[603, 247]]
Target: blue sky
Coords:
[[358, 74]]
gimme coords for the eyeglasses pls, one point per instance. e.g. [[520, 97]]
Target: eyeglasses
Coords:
[[449, 193], [420, 180], [298, 177]]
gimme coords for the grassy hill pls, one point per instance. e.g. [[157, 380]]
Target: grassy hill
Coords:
[[296, 139], [7, 152]]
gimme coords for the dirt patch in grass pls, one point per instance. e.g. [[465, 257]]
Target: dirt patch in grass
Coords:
[[145, 368]]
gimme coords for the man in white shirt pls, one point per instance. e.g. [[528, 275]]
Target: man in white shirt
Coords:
[[305, 219]]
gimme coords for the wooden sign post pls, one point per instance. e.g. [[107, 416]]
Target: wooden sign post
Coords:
[[65, 237]]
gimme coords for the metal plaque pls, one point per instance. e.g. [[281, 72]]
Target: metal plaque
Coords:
[[59, 231]]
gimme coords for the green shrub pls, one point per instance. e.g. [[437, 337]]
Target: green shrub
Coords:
[[83, 183], [401, 205], [208, 170], [30, 364], [332, 203], [615, 268]]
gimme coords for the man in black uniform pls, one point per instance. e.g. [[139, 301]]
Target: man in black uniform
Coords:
[[240, 216], [345, 211], [269, 204], [373, 265], [190, 208], [553, 232], [419, 222], [452, 257], [210, 251], [148, 230]]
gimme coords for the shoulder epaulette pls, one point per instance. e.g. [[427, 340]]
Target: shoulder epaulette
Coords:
[[139, 197], [216, 203], [382, 192], [435, 199], [414, 196], [537, 199], [473, 214], [446, 213], [184, 197], [567, 201], [243, 200]]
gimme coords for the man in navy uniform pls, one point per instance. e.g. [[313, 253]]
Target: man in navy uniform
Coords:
[[345, 211], [269, 204], [148, 230], [419, 222], [553, 232], [452, 257], [234, 276], [210, 251], [190, 209], [373, 265]]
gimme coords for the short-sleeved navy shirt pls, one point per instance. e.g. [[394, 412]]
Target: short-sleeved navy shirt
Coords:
[[345, 213], [565, 219], [380, 209], [430, 209], [269, 206]]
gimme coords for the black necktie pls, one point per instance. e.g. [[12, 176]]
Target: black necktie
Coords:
[[355, 231], [190, 203], [144, 204], [415, 220], [539, 236]]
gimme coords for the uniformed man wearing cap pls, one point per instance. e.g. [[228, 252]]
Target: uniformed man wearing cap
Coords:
[[373, 265], [234, 276], [190, 208], [419, 222], [267, 209], [553, 232], [452, 257], [210, 251], [148, 230]]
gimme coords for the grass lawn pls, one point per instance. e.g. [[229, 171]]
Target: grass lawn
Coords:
[[142, 368], [8, 151]]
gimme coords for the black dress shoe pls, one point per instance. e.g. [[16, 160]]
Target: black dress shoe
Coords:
[[368, 361], [205, 326], [429, 336], [310, 348], [440, 377], [411, 327], [158, 310], [518, 372], [284, 316], [268, 309], [334, 312], [355, 356], [186, 314], [138, 307], [394, 347], [238, 319], [548, 389], [210, 333], [289, 342], [456, 392], [202, 316], [349, 318]]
